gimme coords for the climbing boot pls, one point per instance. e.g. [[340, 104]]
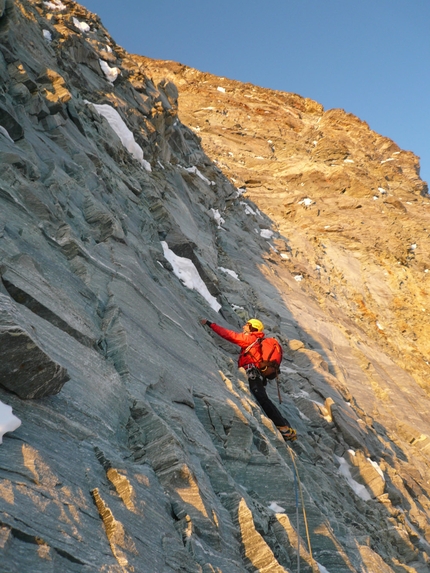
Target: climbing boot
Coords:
[[289, 434]]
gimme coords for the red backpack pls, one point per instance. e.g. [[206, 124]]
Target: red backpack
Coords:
[[271, 359]]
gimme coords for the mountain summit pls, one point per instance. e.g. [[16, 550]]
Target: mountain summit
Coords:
[[138, 197]]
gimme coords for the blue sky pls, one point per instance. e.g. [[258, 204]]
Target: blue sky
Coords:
[[369, 57]]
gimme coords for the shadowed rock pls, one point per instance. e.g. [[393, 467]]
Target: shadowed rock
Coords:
[[156, 457], [10, 123], [25, 368]]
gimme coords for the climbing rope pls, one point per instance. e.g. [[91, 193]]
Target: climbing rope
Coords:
[[297, 490]]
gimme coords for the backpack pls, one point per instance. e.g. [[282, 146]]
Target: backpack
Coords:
[[271, 358]]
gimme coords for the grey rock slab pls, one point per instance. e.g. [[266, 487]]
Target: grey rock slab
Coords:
[[144, 457], [25, 368], [346, 422], [9, 121], [26, 282]]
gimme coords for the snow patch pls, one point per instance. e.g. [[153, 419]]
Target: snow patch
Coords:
[[187, 273], [358, 488], [82, 26], [307, 202], [275, 507], [55, 5], [389, 159], [348, 161], [8, 422], [229, 272], [266, 233], [377, 468], [322, 568], [298, 278], [220, 89], [381, 190], [194, 170], [5, 132], [47, 35], [284, 256], [217, 217], [110, 73], [126, 136], [248, 210]]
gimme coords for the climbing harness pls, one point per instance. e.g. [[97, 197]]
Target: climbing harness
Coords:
[[297, 491]]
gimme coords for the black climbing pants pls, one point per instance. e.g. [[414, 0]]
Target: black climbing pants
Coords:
[[257, 386]]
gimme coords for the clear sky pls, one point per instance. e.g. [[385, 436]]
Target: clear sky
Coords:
[[369, 57]]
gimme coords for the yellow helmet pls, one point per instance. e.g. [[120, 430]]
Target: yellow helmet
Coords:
[[257, 324]]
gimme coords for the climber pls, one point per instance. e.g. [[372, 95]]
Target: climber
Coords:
[[249, 358]]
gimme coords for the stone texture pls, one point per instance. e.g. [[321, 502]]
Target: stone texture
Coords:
[[9, 122], [25, 368], [154, 456]]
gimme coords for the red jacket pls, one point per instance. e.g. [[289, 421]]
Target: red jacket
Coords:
[[244, 340]]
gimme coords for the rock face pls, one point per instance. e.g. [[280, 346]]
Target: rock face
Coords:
[[153, 456], [25, 368]]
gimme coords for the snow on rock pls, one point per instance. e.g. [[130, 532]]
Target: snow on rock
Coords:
[[266, 233], [276, 508], [229, 272], [187, 273], [307, 202], [298, 278], [110, 73], [55, 5], [126, 136], [194, 169], [82, 26], [6, 133], [381, 190], [47, 35], [358, 488], [377, 468], [248, 210], [8, 422], [220, 89], [217, 217], [322, 568]]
